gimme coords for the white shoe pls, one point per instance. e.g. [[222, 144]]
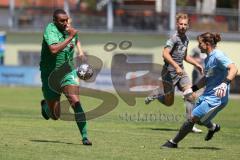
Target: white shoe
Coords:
[[196, 130]]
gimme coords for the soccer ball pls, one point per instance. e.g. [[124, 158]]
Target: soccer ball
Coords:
[[85, 71]]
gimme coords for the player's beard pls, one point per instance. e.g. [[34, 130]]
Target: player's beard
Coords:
[[182, 32]]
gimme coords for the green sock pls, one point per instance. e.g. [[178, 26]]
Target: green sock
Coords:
[[46, 109], [80, 119]]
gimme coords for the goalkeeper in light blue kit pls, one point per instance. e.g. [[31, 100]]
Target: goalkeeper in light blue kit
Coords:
[[219, 71]]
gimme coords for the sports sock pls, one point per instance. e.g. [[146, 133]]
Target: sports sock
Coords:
[[184, 130], [211, 126], [189, 107], [46, 109], [80, 119]]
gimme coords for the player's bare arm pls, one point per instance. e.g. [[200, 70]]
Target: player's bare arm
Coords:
[[201, 83], [80, 52], [166, 55], [79, 48], [232, 71], [190, 60], [55, 48]]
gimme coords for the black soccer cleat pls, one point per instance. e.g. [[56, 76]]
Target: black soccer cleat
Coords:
[[211, 133], [169, 144], [86, 142], [149, 99], [44, 113]]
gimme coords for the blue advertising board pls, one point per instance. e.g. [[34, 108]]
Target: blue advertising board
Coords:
[[18, 75]]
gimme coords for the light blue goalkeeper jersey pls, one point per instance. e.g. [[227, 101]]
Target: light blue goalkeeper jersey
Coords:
[[215, 72]]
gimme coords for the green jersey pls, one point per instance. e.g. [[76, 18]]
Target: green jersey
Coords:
[[49, 61]]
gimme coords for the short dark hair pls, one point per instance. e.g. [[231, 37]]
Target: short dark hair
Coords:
[[57, 12]]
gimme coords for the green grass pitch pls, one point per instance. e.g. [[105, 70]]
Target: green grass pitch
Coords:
[[24, 134]]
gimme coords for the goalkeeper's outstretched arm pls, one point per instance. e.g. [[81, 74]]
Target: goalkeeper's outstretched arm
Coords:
[[232, 71]]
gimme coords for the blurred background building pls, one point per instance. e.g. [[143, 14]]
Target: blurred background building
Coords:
[[123, 15]]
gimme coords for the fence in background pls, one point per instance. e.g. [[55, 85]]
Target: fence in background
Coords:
[[126, 18]]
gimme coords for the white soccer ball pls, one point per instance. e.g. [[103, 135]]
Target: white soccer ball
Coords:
[[85, 71]]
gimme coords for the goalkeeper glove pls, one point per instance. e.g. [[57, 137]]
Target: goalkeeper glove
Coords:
[[221, 90]]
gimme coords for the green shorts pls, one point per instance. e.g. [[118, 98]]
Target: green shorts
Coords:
[[52, 84]]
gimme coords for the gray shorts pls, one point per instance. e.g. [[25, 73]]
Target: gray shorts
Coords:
[[171, 79]]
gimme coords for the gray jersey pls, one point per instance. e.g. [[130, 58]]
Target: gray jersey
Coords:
[[178, 46]]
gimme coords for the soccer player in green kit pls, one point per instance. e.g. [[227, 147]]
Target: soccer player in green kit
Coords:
[[59, 41]]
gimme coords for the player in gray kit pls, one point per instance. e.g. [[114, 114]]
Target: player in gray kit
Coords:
[[173, 74]]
